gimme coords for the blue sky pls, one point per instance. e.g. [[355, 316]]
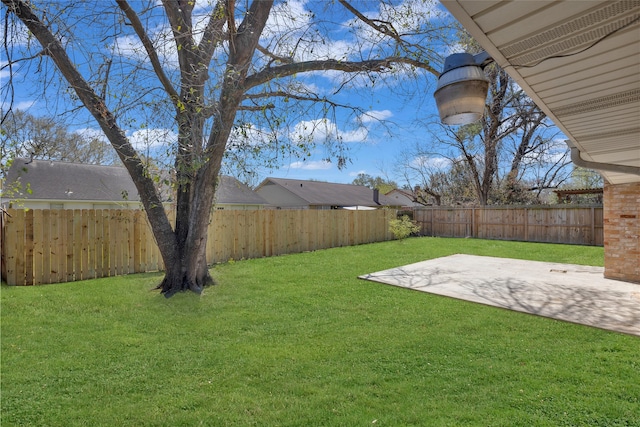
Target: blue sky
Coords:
[[404, 103]]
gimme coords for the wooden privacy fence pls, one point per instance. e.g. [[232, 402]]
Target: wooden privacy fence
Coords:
[[550, 224], [54, 246]]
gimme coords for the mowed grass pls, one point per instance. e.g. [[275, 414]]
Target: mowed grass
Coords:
[[298, 340]]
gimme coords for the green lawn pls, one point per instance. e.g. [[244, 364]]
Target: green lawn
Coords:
[[298, 340]]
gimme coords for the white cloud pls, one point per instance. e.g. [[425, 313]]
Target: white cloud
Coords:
[[91, 133], [321, 130], [131, 47], [249, 135], [150, 138], [313, 165], [549, 155], [287, 33], [357, 135], [375, 115], [427, 162], [202, 5], [140, 139], [360, 172], [4, 71], [162, 38], [22, 105], [409, 16]]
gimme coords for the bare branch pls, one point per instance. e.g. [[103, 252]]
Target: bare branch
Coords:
[[283, 94], [373, 65], [148, 46], [231, 23], [213, 35], [256, 107], [383, 27], [180, 22], [274, 57]]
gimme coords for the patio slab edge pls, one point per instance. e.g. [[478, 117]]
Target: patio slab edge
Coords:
[[569, 292]]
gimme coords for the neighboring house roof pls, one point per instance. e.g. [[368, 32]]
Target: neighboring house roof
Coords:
[[232, 191], [403, 198], [316, 193], [52, 180]]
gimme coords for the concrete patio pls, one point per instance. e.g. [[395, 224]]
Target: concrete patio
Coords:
[[573, 293]]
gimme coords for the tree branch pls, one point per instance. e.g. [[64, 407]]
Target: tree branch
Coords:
[[256, 107], [148, 46], [383, 27], [249, 31], [180, 22], [282, 94], [212, 36], [373, 65], [274, 57]]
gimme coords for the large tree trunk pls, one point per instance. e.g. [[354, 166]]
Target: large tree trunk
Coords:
[[198, 170], [188, 271]]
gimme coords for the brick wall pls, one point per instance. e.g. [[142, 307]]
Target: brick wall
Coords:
[[622, 231]]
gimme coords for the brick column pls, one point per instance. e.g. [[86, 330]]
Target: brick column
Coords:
[[622, 231]]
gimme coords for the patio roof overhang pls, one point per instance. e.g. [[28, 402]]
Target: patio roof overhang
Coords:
[[579, 60]]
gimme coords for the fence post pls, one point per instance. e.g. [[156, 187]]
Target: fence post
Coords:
[[473, 221], [432, 230], [593, 225]]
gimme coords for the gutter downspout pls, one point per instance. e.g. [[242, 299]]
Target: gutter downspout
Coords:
[[577, 159]]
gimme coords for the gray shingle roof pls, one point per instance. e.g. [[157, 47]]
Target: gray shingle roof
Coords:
[[71, 181], [51, 180], [328, 193], [232, 191]]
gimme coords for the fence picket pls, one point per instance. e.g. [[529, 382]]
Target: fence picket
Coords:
[[28, 248], [38, 249], [14, 244], [69, 261]]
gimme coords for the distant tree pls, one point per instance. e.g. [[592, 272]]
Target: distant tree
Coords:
[[512, 155], [43, 138], [209, 71], [382, 184], [436, 180], [584, 178]]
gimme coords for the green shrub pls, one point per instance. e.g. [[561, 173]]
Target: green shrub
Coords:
[[403, 227]]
